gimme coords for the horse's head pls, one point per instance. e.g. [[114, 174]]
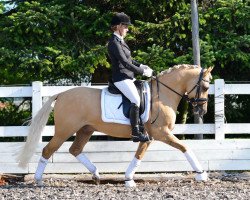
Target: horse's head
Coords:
[[197, 90], [188, 82]]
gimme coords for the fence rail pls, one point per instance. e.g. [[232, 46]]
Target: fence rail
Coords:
[[215, 154]]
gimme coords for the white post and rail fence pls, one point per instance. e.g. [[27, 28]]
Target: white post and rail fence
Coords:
[[114, 156]]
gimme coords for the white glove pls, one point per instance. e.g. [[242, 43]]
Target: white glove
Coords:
[[148, 72], [144, 66]]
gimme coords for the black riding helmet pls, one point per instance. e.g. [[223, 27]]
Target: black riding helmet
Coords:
[[120, 18]]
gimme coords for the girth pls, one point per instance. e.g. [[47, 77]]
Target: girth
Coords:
[[125, 101]]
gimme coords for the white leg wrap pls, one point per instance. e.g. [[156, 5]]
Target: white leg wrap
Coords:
[[130, 183], [88, 164], [135, 163], [195, 164], [40, 169], [201, 176]]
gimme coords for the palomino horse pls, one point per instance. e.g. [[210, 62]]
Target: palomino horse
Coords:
[[78, 111]]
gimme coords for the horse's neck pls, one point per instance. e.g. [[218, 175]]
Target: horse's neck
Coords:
[[166, 96]]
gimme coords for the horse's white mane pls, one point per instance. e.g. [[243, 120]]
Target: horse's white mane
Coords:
[[175, 67]]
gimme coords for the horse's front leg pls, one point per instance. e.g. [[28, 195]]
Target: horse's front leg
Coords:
[[135, 163], [173, 141]]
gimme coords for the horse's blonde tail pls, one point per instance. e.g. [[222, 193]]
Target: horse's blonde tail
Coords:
[[35, 130]]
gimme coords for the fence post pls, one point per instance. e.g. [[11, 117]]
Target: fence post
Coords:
[[37, 100], [219, 108]]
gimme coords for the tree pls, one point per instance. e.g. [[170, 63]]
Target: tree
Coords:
[[51, 40], [225, 27], [66, 40]]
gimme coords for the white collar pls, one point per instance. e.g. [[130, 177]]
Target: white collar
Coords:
[[120, 37]]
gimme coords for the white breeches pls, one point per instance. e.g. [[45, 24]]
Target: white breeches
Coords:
[[128, 88]]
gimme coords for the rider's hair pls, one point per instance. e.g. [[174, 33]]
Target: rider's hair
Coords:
[[114, 28]]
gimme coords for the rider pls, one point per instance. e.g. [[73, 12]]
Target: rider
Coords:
[[124, 69]]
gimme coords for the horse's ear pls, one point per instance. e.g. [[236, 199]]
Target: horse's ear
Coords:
[[208, 70]]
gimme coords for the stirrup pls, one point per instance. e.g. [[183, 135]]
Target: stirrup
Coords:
[[141, 138]]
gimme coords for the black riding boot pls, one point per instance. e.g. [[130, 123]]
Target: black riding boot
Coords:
[[137, 135]]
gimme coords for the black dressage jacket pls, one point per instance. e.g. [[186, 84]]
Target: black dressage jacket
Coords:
[[123, 67]]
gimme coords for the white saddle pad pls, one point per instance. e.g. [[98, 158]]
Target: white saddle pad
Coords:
[[111, 102]]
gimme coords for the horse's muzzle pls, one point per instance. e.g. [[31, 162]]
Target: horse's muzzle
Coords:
[[200, 110]]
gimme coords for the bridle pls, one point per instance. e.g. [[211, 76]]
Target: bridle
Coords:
[[195, 101]]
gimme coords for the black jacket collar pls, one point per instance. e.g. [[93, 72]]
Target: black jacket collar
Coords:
[[123, 43]]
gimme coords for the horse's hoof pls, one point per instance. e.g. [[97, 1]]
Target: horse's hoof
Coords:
[[130, 184], [96, 179], [39, 183], [201, 176]]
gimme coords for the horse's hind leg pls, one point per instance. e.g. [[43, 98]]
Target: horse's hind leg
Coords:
[[135, 163], [173, 141], [48, 150], [81, 139]]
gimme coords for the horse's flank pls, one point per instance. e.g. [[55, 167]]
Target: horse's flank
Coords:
[[84, 109]]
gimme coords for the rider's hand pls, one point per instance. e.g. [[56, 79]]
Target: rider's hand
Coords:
[[144, 66], [148, 72]]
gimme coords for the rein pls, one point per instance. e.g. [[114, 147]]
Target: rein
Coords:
[[193, 101]]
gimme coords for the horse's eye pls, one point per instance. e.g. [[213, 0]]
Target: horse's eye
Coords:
[[205, 88]]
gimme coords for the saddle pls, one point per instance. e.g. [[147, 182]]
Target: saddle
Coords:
[[125, 101]]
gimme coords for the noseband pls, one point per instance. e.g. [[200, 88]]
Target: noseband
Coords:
[[195, 102]]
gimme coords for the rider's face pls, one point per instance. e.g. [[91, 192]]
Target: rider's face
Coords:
[[123, 29]]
